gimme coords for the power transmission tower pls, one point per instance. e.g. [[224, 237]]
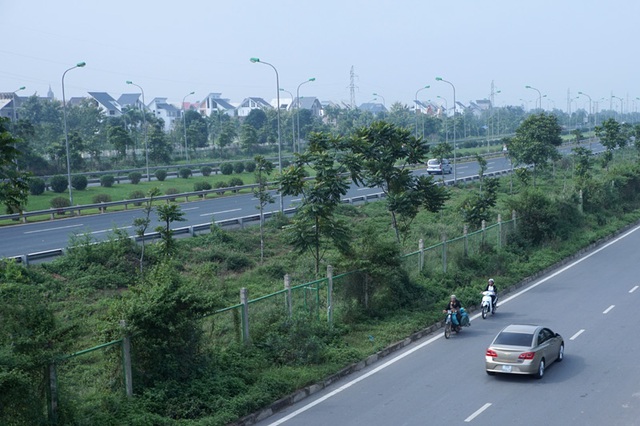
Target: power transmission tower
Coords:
[[352, 87]]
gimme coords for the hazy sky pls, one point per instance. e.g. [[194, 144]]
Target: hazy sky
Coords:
[[171, 48]]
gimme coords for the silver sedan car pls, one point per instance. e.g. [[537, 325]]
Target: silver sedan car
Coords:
[[524, 349]]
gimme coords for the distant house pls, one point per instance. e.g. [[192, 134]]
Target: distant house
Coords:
[[7, 108], [310, 103], [107, 104], [215, 102], [167, 112], [252, 103], [131, 100], [426, 108], [374, 108]]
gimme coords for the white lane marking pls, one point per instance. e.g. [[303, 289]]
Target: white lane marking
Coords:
[[190, 208], [575, 336], [109, 230], [295, 200], [633, 289], [439, 335], [606, 311], [363, 189], [478, 412], [223, 211], [53, 229]]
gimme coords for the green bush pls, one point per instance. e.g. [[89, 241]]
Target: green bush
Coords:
[[206, 170], [238, 167], [60, 202], [226, 168], [135, 195], [161, 175], [250, 166], [107, 181], [235, 182], [286, 163], [79, 182], [101, 198], [221, 184], [185, 172], [201, 186], [59, 184], [135, 177], [171, 191], [36, 186]]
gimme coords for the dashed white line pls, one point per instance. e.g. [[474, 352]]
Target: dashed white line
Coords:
[[606, 311], [575, 336], [109, 230], [633, 289], [54, 229], [478, 412], [190, 208], [224, 211]]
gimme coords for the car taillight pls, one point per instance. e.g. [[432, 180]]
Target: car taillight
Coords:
[[527, 355], [491, 353]]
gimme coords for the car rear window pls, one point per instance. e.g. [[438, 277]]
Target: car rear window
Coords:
[[433, 162], [514, 339]]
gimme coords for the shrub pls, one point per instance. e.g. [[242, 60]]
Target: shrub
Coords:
[[135, 195], [201, 186], [235, 182], [135, 177], [226, 168], [206, 170], [238, 167], [58, 184], [171, 191], [185, 172], [161, 175], [250, 166], [36, 186], [59, 203], [101, 198], [79, 182], [221, 184], [107, 181], [286, 163]]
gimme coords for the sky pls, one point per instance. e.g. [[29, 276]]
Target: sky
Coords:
[[395, 48]]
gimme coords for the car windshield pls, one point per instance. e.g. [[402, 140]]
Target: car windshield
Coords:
[[433, 162], [514, 339]]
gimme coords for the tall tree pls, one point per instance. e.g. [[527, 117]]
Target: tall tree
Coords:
[[536, 141], [383, 154], [261, 192], [14, 187], [611, 136], [168, 213]]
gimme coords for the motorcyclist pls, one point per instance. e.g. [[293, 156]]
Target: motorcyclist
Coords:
[[454, 306], [491, 286]]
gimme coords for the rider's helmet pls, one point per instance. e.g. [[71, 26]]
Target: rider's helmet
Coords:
[[491, 281], [453, 297]]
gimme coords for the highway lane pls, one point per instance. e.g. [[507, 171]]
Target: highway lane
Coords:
[[591, 302], [29, 238]]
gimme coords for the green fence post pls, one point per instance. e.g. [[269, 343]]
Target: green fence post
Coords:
[[330, 294], [513, 217], [421, 248], [465, 233], [289, 301], [244, 301], [53, 394], [126, 361], [499, 231], [484, 231], [444, 253]]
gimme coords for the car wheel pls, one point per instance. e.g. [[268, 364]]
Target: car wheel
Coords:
[[540, 372], [561, 353]]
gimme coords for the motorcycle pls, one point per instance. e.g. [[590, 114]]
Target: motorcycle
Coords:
[[487, 303], [449, 327]]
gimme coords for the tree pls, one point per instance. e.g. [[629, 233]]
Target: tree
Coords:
[[582, 166], [14, 184], [248, 138], [482, 167], [314, 224], [382, 154], [159, 147], [120, 140], [197, 131], [168, 213], [142, 223], [536, 141], [262, 172], [611, 136]]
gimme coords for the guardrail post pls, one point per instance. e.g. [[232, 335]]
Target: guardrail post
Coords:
[[244, 300], [241, 222], [330, 294], [126, 362], [24, 259], [192, 231], [288, 301], [444, 253], [421, 259]]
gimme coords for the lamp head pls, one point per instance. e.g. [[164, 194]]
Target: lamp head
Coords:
[[312, 79], [438, 78], [21, 88], [81, 64], [528, 87], [254, 60], [129, 82]]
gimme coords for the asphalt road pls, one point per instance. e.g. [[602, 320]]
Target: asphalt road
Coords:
[[591, 302], [21, 239]]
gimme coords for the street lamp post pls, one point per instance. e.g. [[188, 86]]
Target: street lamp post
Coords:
[[454, 126], [416, 107], [184, 124], [13, 101], [144, 123], [590, 111], [293, 123], [621, 102], [383, 101], [298, 107], [539, 94], [446, 109], [66, 132], [254, 61]]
